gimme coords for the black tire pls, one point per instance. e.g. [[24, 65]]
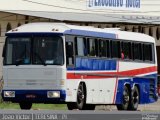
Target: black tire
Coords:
[[25, 105], [125, 98], [134, 101], [71, 106], [81, 100], [81, 97]]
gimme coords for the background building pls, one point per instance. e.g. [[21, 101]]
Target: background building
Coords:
[[133, 15]]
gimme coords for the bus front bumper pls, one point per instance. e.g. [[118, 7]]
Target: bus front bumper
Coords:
[[34, 96]]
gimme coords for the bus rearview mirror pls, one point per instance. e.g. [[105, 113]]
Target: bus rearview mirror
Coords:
[[4, 51]]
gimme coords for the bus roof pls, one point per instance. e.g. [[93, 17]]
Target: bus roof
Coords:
[[112, 33]]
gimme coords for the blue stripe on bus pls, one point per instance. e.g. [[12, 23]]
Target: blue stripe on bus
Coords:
[[94, 64], [40, 96], [144, 88], [90, 33]]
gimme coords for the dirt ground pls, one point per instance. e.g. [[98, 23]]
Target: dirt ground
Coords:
[[150, 107]]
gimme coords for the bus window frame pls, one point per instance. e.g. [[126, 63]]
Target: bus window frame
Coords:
[[119, 47], [130, 54], [108, 50], [141, 54], [109, 57], [152, 52]]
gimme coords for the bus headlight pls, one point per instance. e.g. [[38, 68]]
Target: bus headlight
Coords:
[[53, 94], [9, 93]]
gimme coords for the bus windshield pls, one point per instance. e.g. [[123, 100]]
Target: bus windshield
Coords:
[[35, 50]]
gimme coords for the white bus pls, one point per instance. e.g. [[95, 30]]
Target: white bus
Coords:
[[80, 66]]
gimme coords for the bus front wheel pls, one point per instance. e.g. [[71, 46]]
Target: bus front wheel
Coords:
[[25, 105], [71, 106], [81, 100], [81, 96]]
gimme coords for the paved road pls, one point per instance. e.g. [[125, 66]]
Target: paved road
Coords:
[[145, 112], [145, 107], [77, 115]]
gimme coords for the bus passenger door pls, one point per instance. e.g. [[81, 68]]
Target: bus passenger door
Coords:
[[70, 62]]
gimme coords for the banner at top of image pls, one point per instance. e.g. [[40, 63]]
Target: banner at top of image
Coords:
[[114, 4]]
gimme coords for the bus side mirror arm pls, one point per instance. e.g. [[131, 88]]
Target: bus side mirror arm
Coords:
[[4, 51]]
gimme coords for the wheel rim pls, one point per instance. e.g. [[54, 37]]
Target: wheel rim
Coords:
[[135, 98]]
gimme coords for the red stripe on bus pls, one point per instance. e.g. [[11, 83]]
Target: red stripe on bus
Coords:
[[128, 73]]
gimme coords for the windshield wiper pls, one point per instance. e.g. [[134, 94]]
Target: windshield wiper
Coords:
[[39, 57]]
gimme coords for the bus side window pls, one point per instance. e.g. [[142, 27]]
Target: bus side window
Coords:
[[80, 46], [115, 49], [147, 54], [126, 48], [103, 48], [92, 49], [85, 47], [69, 53], [137, 51], [97, 47], [69, 50]]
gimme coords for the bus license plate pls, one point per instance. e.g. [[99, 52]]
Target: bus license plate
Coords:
[[30, 96]]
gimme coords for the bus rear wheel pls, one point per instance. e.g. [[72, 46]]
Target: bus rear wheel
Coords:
[[134, 101], [25, 105], [125, 99]]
